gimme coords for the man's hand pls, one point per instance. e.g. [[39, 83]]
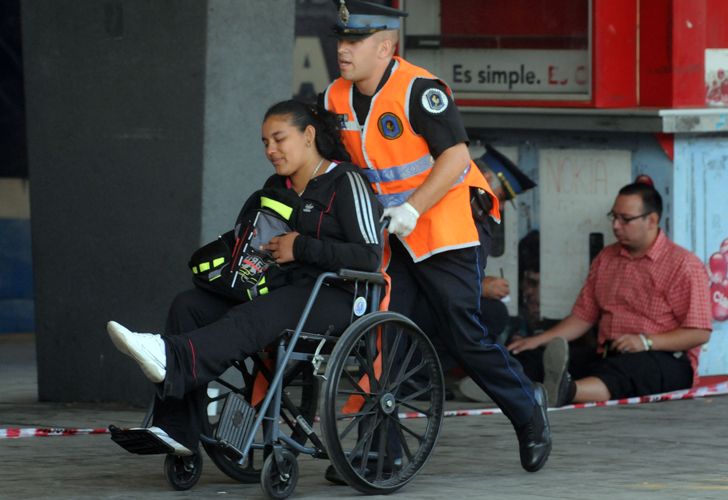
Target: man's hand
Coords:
[[281, 247], [628, 343], [495, 288], [528, 343], [403, 219]]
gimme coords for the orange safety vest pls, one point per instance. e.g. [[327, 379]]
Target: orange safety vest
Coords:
[[397, 161]]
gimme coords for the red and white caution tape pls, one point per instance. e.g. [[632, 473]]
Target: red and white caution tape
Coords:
[[46, 432], [697, 392], [453, 413]]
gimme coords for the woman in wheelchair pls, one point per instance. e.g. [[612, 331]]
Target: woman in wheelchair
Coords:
[[336, 227]]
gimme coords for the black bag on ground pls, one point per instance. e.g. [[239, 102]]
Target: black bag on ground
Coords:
[[234, 265]]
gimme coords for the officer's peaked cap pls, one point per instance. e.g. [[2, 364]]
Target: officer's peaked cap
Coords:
[[512, 178], [357, 19]]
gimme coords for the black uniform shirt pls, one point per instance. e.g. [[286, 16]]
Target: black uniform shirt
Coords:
[[440, 130]]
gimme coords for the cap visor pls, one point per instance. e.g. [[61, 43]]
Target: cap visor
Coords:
[[349, 34]]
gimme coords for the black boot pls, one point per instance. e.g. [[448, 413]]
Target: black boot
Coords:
[[333, 476], [534, 438]]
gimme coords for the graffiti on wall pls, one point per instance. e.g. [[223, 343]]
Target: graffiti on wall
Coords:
[[718, 272], [716, 77]]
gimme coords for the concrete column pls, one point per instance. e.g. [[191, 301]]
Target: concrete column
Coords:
[[144, 139]]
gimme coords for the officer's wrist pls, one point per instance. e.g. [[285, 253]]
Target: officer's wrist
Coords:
[[411, 209]]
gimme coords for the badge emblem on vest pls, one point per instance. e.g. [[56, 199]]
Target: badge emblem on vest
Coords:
[[390, 126], [434, 101]]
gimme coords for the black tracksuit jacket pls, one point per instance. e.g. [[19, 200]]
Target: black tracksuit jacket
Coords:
[[338, 222]]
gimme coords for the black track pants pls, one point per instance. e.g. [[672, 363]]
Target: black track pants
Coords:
[[224, 334], [450, 281]]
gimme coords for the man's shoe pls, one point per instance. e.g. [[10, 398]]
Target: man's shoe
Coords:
[[145, 348], [534, 438], [556, 377]]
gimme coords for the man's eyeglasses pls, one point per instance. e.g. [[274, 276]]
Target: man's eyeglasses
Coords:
[[623, 219]]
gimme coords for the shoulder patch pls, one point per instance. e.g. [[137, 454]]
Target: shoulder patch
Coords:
[[390, 126], [434, 101]]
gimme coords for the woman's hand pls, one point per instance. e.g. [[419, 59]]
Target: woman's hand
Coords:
[[281, 247]]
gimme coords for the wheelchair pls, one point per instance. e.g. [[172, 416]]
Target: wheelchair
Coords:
[[381, 392]]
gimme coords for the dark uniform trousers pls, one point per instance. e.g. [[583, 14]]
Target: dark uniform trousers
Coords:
[[450, 281], [205, 333]]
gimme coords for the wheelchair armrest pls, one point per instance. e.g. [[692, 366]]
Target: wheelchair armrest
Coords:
[[351, 274]]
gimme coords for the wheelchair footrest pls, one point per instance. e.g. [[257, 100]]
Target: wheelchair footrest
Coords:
[[140, 441], [236, 422]]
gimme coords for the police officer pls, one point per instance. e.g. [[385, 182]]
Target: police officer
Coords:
[[400, 124]]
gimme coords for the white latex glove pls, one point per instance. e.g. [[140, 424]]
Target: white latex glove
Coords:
[[403, 219]]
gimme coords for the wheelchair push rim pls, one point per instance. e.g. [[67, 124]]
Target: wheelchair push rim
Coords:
[[369, 381]]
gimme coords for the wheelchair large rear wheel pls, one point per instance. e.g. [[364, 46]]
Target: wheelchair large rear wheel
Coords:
[[300, 388], [380, 429]]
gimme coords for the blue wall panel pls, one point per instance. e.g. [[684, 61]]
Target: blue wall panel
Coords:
[[16, 276]]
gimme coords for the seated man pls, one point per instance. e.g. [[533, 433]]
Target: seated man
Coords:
[[650, 300], [495, 292], [507, 181]]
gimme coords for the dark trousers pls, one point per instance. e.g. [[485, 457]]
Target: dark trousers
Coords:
[[206, 333], [625, 375], [494, 315], [450, 282]]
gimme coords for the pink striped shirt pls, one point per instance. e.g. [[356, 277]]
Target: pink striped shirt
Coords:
[[666, 289]]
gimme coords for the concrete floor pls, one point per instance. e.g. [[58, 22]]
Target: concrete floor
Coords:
[[675, 449]]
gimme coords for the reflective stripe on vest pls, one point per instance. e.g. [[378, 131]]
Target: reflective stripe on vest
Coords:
[[392, 200]]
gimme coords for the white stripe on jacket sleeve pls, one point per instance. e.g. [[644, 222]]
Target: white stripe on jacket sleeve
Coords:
[[363, 209]]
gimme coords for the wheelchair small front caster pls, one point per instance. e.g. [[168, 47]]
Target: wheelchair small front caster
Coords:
[[183, 472], [279, 482]]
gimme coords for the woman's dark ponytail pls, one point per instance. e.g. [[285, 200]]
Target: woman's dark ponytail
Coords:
[[328, 134]]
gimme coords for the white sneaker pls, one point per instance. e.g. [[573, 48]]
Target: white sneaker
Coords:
[[145, 348]]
